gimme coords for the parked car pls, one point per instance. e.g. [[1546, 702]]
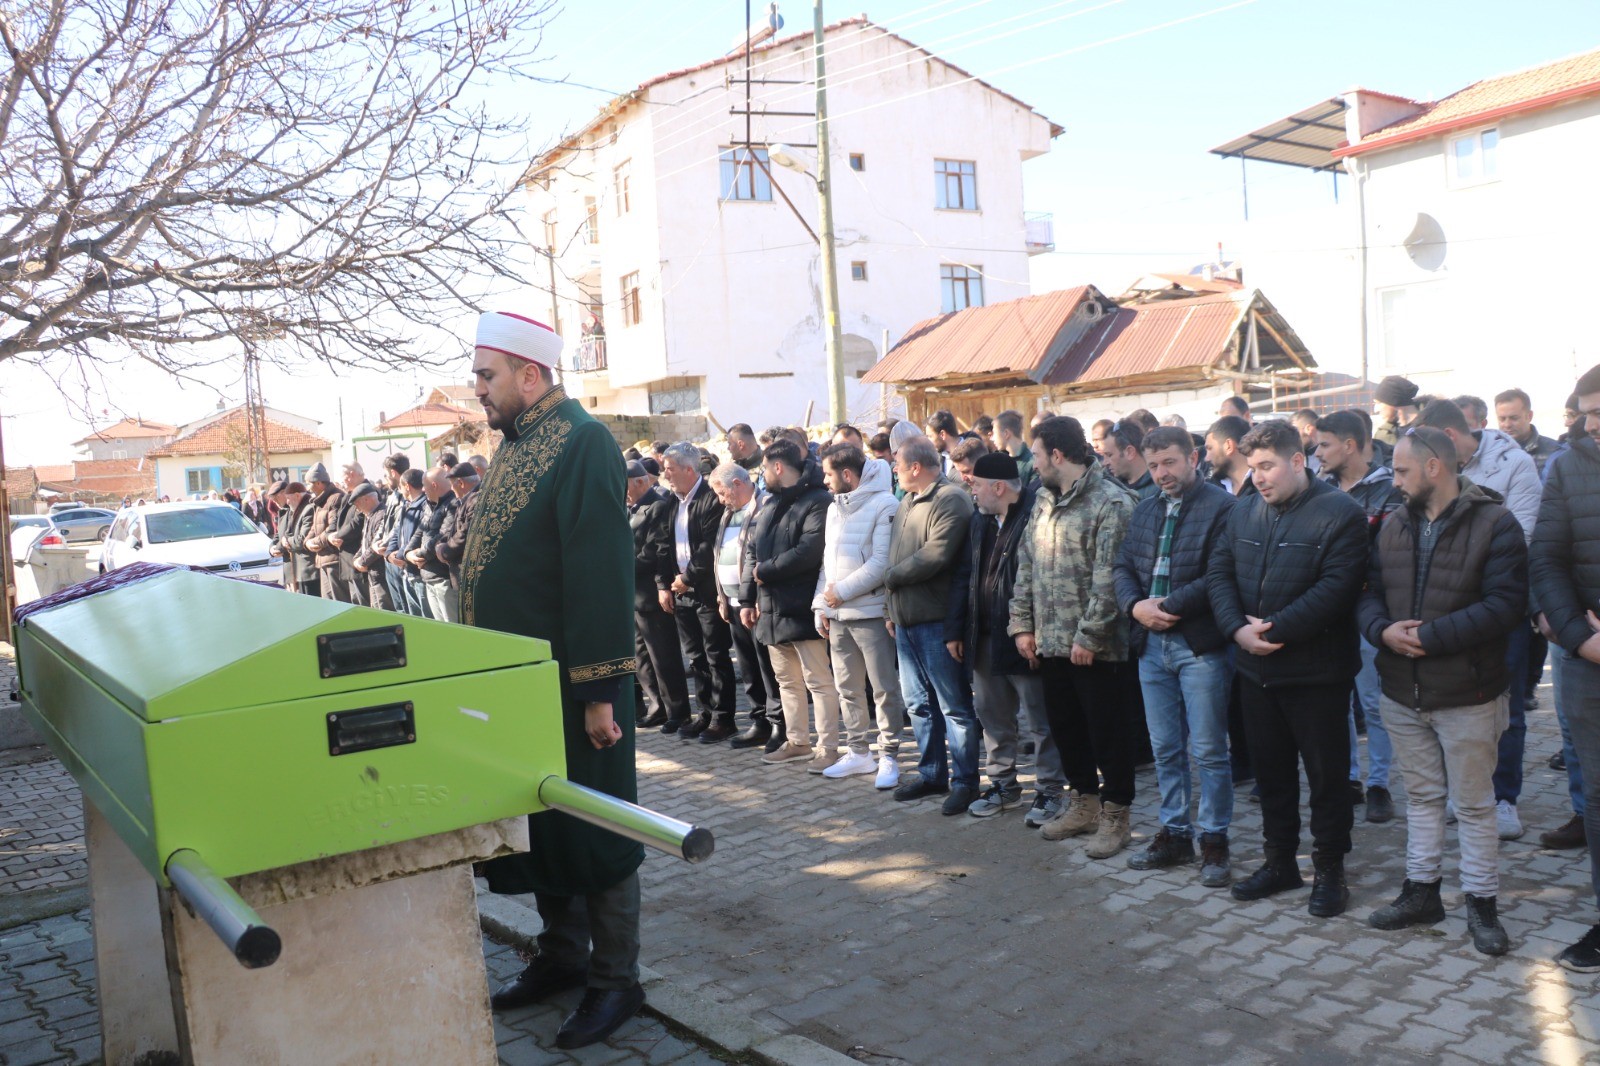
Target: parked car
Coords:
[[208, 534], [80, 525], [25, 529], [66, 505]]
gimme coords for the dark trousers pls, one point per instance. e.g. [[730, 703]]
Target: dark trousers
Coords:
[[599, 933], [706, 642], [1538, 650], [377, 588], [755, 665], [1238, 745], [1286, 726], [1089, 723], [334, 587], [1513, 742], [1132, 696], [655, 638]]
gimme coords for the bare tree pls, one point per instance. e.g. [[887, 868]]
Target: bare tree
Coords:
[[325, 174]]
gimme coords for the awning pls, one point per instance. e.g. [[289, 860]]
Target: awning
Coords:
[[1306, 138]]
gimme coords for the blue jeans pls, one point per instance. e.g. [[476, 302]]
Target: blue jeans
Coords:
[[1559, 658], [1380, 752], [1186, 706], [1508, 771], [934, 687], [393, 580], [1581, 679], [416, 597]]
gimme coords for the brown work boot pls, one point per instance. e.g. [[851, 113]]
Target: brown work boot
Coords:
[[1570, 834], [1081, 814], [1113, 833]]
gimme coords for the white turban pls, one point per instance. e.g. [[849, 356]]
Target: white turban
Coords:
[[519, 337]]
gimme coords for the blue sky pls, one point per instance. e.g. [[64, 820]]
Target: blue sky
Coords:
[[1130, 182]]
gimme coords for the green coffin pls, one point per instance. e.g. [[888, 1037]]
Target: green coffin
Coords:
[[261, 728]]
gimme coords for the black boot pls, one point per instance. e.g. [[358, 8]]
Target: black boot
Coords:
[[654, 720], [1488, 935], [695, 726], [599, 1014], [539, 981], [1274, 876], [719, 731], [756, 736], [1417, 904], [1329, 895], [780, 736]]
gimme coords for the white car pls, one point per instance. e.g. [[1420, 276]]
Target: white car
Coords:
[[207, 533]]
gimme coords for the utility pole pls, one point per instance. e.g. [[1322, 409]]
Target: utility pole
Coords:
[[830, 273]]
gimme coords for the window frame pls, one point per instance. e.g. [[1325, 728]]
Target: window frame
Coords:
[[966, 181], [858, 274], [728, 192], [1481, 153], [622, 186], [631, 311], [970, 280], [858, 158]]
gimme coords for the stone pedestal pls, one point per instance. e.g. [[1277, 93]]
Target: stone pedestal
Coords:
[[382, 959]]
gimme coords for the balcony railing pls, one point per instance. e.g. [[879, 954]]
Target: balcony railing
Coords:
[[589, 355], [1040, 229]]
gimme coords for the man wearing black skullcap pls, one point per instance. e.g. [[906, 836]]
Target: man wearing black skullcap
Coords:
[[1394, 405]]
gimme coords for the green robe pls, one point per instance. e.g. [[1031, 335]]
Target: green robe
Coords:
[[549, 554]]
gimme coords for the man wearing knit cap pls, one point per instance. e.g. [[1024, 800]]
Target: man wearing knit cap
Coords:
[[1393, 407], [464, 481], [549, 554]]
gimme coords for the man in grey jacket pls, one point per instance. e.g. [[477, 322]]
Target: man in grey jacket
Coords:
[[926, 542], [850, 604]]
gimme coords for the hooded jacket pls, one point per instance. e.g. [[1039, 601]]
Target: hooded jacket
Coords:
[[1500, 464], [1564, 558], [785, 551], [1064, 593], [855, 555], [1474, 593]]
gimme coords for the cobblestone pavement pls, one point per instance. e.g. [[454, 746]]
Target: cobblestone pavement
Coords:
[[890, 932], [41, 823], [48, 1013]]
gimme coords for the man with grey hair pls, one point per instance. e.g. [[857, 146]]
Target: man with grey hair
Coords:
[[742, 497], [347, 534], [691, 595], [479, 463], [433, 573]]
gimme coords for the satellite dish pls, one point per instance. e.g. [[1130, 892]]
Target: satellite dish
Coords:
[[774, 20], [1418, 233]]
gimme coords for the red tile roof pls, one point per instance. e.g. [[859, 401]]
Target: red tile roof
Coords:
[[1018, 337], [60, 472], [213, 438], [1490, 99], [130, 427], [1154, 337], [431, 414]]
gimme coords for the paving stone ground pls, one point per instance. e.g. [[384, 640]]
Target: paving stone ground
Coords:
[[896, 934]]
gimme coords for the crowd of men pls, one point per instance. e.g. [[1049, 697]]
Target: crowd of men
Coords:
[[1233, 606], [397, 547]]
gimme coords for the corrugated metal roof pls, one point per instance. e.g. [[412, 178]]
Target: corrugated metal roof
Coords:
[[1306, 138], [1525, 90], [1152, 338], [1017, 337]]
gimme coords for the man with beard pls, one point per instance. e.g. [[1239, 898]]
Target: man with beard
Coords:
[[549, 555]]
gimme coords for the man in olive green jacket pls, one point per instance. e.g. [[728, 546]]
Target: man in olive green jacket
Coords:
[[1065, 619], [927, 539]]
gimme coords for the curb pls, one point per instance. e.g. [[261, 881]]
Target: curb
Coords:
[[37, 904], [709, 1021]]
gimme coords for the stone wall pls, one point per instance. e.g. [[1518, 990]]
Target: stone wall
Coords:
[[628, 429]]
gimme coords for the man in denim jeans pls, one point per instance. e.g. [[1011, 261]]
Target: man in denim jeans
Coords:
[[1185, 663], [926, 539]]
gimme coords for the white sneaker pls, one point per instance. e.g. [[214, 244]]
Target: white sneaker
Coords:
[[1506, 820], [851, 764], [888, 772]]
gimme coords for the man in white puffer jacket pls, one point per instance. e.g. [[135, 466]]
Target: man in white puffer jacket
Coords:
[[850, 605]]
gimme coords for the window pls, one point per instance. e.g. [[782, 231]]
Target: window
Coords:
[[744, 175], [956, 185], [858, 271], [591, 221], [961, 287], [858, 162], [1473, 157], [119, 453], [630, 299], [198, 480], [620, 186]]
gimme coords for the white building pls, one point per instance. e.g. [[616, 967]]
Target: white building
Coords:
[[208, 455], [127, 439], [683, 280], [1451, 255]]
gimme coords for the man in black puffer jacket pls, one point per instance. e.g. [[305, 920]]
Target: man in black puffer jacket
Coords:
[[1185, 663], [1448, 583], [1284, 581], [782, 557], [1564, 562]]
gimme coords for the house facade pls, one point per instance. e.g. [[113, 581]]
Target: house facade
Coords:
[[127, 439], [684, 263], [207, 456]]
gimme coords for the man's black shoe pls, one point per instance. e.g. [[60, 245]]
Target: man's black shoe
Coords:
[[1273, 877], [918, 787], [1166, 849], [599, 1014], [672, 725], [654, 720], [1380, 805], [780, 737], [1329, 895], [695, 726], [1558, 761], [718, 732], [1417, 904], [758, 734], [1483, 923], [1584, 956], [538, 982]]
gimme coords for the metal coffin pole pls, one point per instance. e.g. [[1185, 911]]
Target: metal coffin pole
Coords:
[[691, 843], [254, 943]]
